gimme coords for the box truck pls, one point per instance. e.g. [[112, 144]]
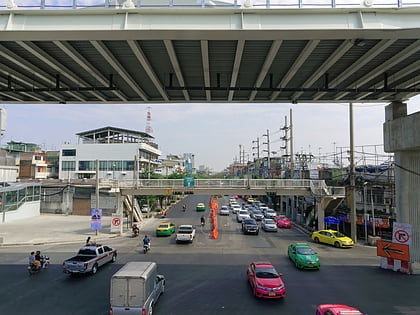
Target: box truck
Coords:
[[135, 288]]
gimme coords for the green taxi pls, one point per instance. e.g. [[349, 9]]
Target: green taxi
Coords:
[[200, 207], [303, 256], [165, 229]]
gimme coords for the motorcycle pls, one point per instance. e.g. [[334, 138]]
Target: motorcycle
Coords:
[[146, 248], [136, 231], [44, 263]]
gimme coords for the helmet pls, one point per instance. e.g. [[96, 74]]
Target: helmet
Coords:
[[38, 252]]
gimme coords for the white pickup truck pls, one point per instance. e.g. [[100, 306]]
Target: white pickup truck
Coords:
[[89, 259], [186, 233]]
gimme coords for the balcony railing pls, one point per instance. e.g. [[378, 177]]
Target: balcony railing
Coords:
[[255, 4]]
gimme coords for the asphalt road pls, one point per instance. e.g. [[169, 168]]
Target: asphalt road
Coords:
[[208, 276]]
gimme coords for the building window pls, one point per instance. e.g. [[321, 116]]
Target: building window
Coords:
[[128, 165], [114, 165], [87, 166], [68, 152], [68, 166]]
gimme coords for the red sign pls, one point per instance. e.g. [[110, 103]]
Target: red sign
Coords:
[[116, 221], [393, 250]]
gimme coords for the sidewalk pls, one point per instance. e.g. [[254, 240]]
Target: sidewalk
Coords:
[[54, 228]]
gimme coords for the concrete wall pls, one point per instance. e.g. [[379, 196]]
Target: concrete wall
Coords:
[[27, 210]]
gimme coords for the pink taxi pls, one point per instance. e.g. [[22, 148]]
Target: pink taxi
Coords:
[[265, 281], [283, 222], [337, 309]]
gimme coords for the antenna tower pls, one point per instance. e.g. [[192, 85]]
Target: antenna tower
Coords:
[[149, 129]]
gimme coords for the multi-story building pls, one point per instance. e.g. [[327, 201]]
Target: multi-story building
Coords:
[[120, 153]]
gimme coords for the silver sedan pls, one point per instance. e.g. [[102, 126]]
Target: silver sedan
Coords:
[[269, 225]]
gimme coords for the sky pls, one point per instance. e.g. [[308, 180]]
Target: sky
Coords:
[[212, 132]]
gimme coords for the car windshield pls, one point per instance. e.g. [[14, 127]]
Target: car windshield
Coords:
[[269, 221], [163, 226], [266, 273], [282, 218], [338, 234], [243, 212], [249, 221], [305, 251]]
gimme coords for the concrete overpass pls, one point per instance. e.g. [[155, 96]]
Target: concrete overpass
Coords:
[[178, 51]]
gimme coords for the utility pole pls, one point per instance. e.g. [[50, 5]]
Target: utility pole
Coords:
[[257, 142], [268, 152], [292, 154], [352, 192]]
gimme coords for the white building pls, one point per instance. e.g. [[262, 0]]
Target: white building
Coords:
[[116, 151]]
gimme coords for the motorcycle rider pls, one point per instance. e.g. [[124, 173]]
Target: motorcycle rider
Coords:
[[38, 257], [146, 242], [32, 259], [203, 221], [184, 206], [135, 229]]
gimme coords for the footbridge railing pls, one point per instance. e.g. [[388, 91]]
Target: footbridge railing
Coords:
[[224, 186]]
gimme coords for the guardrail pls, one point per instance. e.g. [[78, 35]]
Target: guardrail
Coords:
[[256, 4], [317, 187]]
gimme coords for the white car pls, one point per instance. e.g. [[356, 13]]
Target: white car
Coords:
[[242, 214], [269, 225], [270, 214], [236, 208], [224, 210]]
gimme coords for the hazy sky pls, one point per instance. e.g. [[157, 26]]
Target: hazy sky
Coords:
[[213, 132]]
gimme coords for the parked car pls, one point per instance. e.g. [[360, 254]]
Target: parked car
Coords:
[[224, 210], [332, 237], [257, 215], [303, 256], [165, 229], [336, 309], [250, 226], [242, 214], [268, 225], [145, 209], [265, 281], [270, 213], [200, 207], [283, 222]]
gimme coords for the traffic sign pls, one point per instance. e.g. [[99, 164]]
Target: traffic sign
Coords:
[[393, 250], [331, 220], [401, 233], [188, 181], [116, 223]]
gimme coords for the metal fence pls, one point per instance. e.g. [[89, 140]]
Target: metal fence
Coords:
[[255, 4]]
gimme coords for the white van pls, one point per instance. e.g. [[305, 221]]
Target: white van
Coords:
[[135, 288]]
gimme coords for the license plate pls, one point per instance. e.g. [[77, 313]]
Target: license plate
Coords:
[[271, 293]]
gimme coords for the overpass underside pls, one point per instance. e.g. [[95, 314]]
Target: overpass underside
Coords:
[[151, 54]]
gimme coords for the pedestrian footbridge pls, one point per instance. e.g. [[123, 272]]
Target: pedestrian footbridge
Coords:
[[281, 187]]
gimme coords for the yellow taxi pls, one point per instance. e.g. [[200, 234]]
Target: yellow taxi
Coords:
[[332, 237], [165, 229]]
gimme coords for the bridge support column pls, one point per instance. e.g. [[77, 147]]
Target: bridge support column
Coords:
[[402, 136], [119, 208], [320, 206]]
